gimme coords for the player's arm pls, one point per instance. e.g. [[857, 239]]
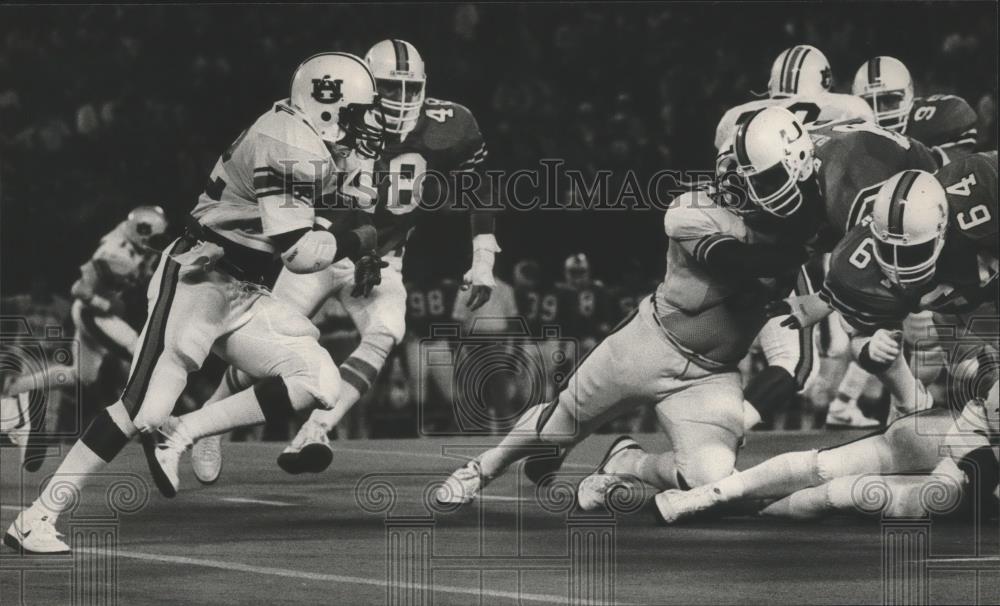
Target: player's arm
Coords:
[[471, 153], [696, 223], [86, 286]]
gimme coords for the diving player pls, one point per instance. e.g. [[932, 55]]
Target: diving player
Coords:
[[678, 352], [945, 123], [429, 143], [923, 249], [800, 82], [205, 294]]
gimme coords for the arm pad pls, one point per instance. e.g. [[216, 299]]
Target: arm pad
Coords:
[[314, 251], [739, 259]]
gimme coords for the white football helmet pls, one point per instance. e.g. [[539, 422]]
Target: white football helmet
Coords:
[[885, 84], [800, 70], [402, 82], [146, 226], [337, 93], [909, 220], [774, 153]]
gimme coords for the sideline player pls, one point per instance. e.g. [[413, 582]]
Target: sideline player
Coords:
[[917, 252], [102, 317], [428, 141], [678, 352], [206, 295]]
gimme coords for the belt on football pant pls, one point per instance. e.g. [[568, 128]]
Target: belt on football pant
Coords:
[[240, 262]]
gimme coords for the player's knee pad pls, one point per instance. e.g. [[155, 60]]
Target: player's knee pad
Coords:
[[555, 425], [316, 384], [770, 388], [109, 432], [706, 466]]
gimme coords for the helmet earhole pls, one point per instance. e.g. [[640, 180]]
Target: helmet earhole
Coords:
[[326, 116], [802, 155]]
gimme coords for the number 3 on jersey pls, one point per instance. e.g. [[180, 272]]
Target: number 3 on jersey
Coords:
[[407, 173]]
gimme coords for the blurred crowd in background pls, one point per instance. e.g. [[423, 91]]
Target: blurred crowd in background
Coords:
[[104, 108]]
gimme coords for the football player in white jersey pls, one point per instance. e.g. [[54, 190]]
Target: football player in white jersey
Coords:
[[800, 82], [423, 134], [122, 264], [206, 294], [677, 352]]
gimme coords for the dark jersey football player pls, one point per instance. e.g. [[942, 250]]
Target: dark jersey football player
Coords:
[[945, 123], [815, 185]]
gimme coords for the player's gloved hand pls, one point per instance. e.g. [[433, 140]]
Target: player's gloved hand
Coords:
[[885, 346], [367, 274], [480, 276]]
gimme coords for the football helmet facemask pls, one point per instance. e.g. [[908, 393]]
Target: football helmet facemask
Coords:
[[909, 220], [800, 70], [774, 154], [338, 95], [885, 84], [402, 81]]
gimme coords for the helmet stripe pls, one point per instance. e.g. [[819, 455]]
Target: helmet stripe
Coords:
[[798, 69], [786, 84], [740, 144], [874, 71], [897, 202], [784, 68], [402, 56]]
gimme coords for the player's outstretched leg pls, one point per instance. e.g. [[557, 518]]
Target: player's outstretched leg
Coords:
[[905, 446]]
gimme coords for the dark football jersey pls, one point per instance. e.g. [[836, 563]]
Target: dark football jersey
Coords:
[[971, 185], [966, 273], [945, 121], [856, 287], [539, 306], [428, 303], [586, 309], [855, 159], [414, 175]]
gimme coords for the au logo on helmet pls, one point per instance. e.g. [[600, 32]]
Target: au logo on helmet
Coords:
[[326, 90]]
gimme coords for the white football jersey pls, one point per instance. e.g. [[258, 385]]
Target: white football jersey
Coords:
[[266, 183], [809, 109]]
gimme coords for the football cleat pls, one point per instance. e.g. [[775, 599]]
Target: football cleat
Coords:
[[206, 459], [309, 452], [848, 415], [675, 505], [462, 486], [164, 458], [33, 533], [592, 491]]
